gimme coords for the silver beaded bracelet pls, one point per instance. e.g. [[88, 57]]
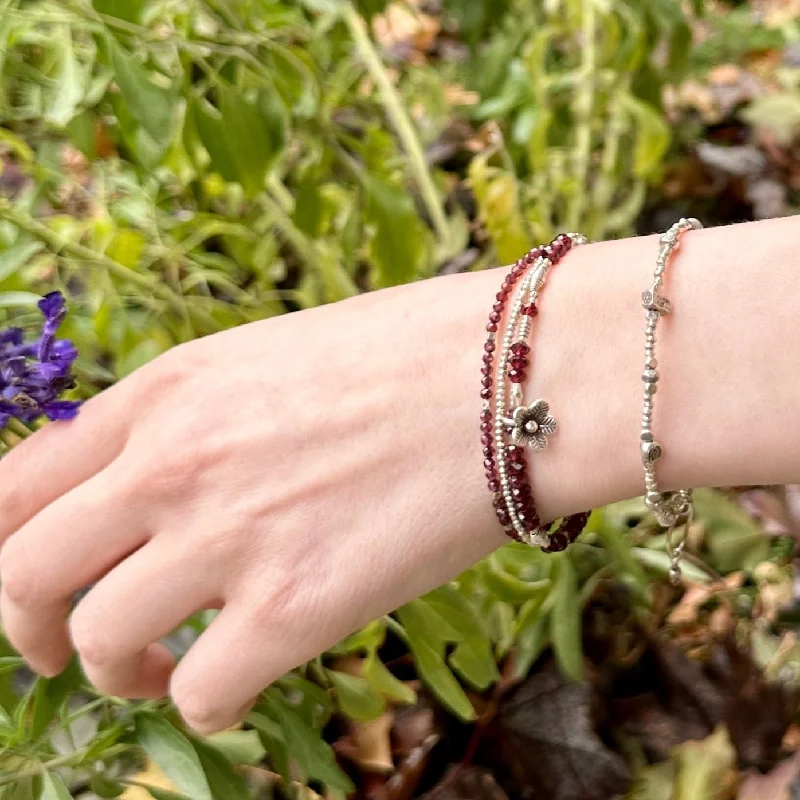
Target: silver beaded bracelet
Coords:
[[672, 510]]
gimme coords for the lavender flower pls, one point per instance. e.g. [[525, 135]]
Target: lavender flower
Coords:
[[33, 375]]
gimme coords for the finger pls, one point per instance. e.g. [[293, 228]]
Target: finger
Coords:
[[231, 663], [69, 545], [58, 458], [144, 598]]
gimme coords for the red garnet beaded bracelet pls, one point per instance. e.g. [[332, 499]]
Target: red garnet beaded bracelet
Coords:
[[509, 426]]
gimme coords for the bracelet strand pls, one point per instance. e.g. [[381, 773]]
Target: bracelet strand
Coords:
[[671, 509], [504, 461]]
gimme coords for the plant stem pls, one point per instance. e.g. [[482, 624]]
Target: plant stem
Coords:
[[585, 103], [399, 118], [61, 761]]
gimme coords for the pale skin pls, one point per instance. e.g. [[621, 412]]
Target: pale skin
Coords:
[[309, 473]]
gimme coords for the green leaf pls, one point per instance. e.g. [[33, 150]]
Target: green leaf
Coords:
[[150, 104], [369, 638], [222, 779], [660, 561], [243, 136], [18, 299], [428, 647], [565, 621], [158, 793], [531, 642], [356, 696], [104, 787], [382, 680], [397, 246], [69, 80], [735, 540], [498, 206], [701, 766], [472, 658], [271, 735], [17, 256], [211, 132], [53, 788], [251, 137], [173, 753], [306, 746], [50, 695], [653, 135], [618, 545], [127, 10], [510, 588], [239, 747]]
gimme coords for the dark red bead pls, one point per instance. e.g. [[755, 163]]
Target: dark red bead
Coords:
[[491, 327], [486, 427], [486, 382], [488, 463], [519, 362], [486, 415], [516, 375], [489, 347], [498, 306], [488, 451], [547, 252], [520, 348], [503, 517], [515, 453], [494, 486], [518, 480], [494, 317], [557, 248], [486, 440], [486, 394], [499, 502], [488, 358], [486, 370], [530, 310], [558, 542], [535, 253]]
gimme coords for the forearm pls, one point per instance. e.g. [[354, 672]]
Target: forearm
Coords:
[[729, 356]]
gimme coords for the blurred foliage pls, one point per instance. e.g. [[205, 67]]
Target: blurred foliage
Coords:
[[179, 167]]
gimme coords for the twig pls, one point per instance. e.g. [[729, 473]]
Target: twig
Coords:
[[398, 117]]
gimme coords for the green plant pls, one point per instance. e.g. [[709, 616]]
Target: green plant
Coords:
[[180, 167]]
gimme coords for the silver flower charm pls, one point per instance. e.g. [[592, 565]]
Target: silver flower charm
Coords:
[[531, 425]]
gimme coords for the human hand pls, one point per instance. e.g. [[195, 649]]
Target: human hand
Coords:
[[302, 474]]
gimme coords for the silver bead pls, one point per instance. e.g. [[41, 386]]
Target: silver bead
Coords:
[[651, 452], [650, 389], [652, 499], [674, 575], [650, 376], [651, 362]]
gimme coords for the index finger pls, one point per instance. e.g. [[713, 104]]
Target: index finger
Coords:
[[56, 459]]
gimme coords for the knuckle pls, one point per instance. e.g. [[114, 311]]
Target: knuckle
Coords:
[[89, 639], [17, 575], [197, 709]]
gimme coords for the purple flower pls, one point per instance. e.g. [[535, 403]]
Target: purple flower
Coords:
[[33, 375]]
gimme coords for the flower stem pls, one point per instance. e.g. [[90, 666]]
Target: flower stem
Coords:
[[398, 117], [584, 106]]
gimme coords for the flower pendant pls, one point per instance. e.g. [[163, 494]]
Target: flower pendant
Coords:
[[531, 425]]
